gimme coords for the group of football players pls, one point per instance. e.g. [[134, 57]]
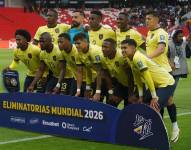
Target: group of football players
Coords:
[[99, 63]]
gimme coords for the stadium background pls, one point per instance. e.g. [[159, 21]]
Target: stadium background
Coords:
[[29, 15]]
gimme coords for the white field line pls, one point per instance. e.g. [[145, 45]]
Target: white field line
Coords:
[[180, 114], [48, 136], [25, 139]]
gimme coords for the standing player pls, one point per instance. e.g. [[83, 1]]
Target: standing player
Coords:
[[28, 54], [52, 27], [98, 32], [159, 82], [50, 57], [124, 31], [156, 49], [77, 24]]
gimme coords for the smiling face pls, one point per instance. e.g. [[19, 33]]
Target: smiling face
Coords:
[[128, 50]]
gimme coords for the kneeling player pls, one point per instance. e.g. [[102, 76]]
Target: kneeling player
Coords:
[[28, 54]]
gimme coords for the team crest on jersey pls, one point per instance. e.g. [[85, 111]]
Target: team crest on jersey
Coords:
[[54, 58], [127, 37], [140, 65], [100, 36], [151, 36], [117, 63], [29, 55], [162, 38], [57, 30]]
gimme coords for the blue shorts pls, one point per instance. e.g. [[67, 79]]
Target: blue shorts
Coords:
[[40, 86], [164, 93], [120, 91], [67, 87], [51, 83]]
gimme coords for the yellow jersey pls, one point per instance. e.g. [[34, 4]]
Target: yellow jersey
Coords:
[[115, 67], [147, 71], [54, 32], [89, 60], [97, 37], [129, 34], [52, 61], [70, 59], [30, 57], [154, 38]]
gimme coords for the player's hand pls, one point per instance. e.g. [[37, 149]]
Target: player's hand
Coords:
[[7, 69], [77, 93], [134, 100], [155, 105], [172, 65], [56, 90], [96, 96], [140, 100], [30, 88], [88, 94], [114, 100]]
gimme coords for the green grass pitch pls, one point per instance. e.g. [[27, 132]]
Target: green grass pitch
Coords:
[[182, 99]]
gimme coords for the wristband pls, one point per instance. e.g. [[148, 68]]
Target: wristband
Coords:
[[110, 92], [98, 91], [58, 85], [88, 87], [78, 90]]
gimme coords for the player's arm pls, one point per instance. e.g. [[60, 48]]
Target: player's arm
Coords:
[[37, 36], [35, 42], [38, 75], [97, 94], [139, 83], [140, 40], [15, 62], [62, 66], [161, 46], [149, 81], [160, 49], [79, 79]]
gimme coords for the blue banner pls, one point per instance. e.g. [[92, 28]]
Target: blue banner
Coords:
[[136, 125]]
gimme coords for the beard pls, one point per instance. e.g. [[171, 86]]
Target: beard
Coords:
[[75, 24]]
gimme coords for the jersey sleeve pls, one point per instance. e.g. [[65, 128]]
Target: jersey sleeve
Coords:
[[37, 34], [162, 38], [15, 55], [140, 63], [138, 37]]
